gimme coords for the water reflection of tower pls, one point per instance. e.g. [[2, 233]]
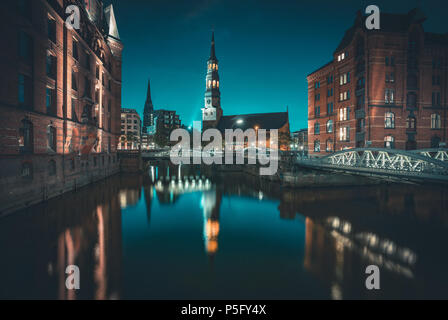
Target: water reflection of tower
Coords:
[[210, 203]]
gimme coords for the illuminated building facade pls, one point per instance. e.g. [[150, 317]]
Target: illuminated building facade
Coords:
[[130, 130], [60, 97], [384, 88]]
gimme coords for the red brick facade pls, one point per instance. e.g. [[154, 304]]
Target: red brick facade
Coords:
[[383, 88], [60, 95]]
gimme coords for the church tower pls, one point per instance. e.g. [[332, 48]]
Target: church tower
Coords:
[[212, 112], [148, 111]]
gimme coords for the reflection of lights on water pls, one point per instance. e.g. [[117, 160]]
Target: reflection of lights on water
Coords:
[[336, 292], [260, 195], [388, 254], [181, 186], [211, 232], [153, 178]]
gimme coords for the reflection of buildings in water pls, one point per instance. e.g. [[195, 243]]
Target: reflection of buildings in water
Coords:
[[129, 197], [148, 191], [337, 254], [130, 189], [210, 204], [82, 229]]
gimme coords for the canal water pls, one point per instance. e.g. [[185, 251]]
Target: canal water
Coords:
[[183, 233]]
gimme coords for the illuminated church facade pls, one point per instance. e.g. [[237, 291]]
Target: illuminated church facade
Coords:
[[213, 116]]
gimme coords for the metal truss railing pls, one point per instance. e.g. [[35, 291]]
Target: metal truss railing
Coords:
[[430, 161]]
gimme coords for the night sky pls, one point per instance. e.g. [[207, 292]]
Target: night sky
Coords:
[[265, 50]]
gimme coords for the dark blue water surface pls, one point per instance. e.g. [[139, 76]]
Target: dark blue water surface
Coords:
[[187, 234]]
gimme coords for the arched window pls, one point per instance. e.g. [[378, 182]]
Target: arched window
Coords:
[[26, 139], [435, 142], [51, 168], [389, 142], [435, 121], [316, 146], [329, 145], [26, 171], [51, 138], [389, 120], [411, 123], [329, 126], [317, 128]]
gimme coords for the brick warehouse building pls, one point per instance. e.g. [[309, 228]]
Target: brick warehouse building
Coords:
[[383, 88], [60, 99]]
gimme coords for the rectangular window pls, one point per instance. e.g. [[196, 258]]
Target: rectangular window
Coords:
[[75, 49], [25, 91], [330, 108], [51, 28], [74, 81], [344, 114], [389, 96], [51, 66], [344, 133], [344, 95], [49, 100], [316, 112], [344, 78], [25, 47], [436, 98], [74, 117]]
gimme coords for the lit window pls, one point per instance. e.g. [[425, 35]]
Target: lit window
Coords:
[[26, 136], [389, 120], [344, 114], [317, 146], [389, 96], [389, 142], [329, 146], [329, 126], [435, 121], [344, 133]]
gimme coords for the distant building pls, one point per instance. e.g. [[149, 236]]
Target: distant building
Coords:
[[147, 141], [384, 88], [130, 130], [60, 98], [212, 113], [148, 113], [299, 141], [165, 122]]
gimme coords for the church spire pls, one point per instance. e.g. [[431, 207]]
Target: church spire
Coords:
[[148, 111], [212, 49], [148, 93]]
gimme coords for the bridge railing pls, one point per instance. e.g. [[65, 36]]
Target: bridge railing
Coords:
[[430, 161]]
